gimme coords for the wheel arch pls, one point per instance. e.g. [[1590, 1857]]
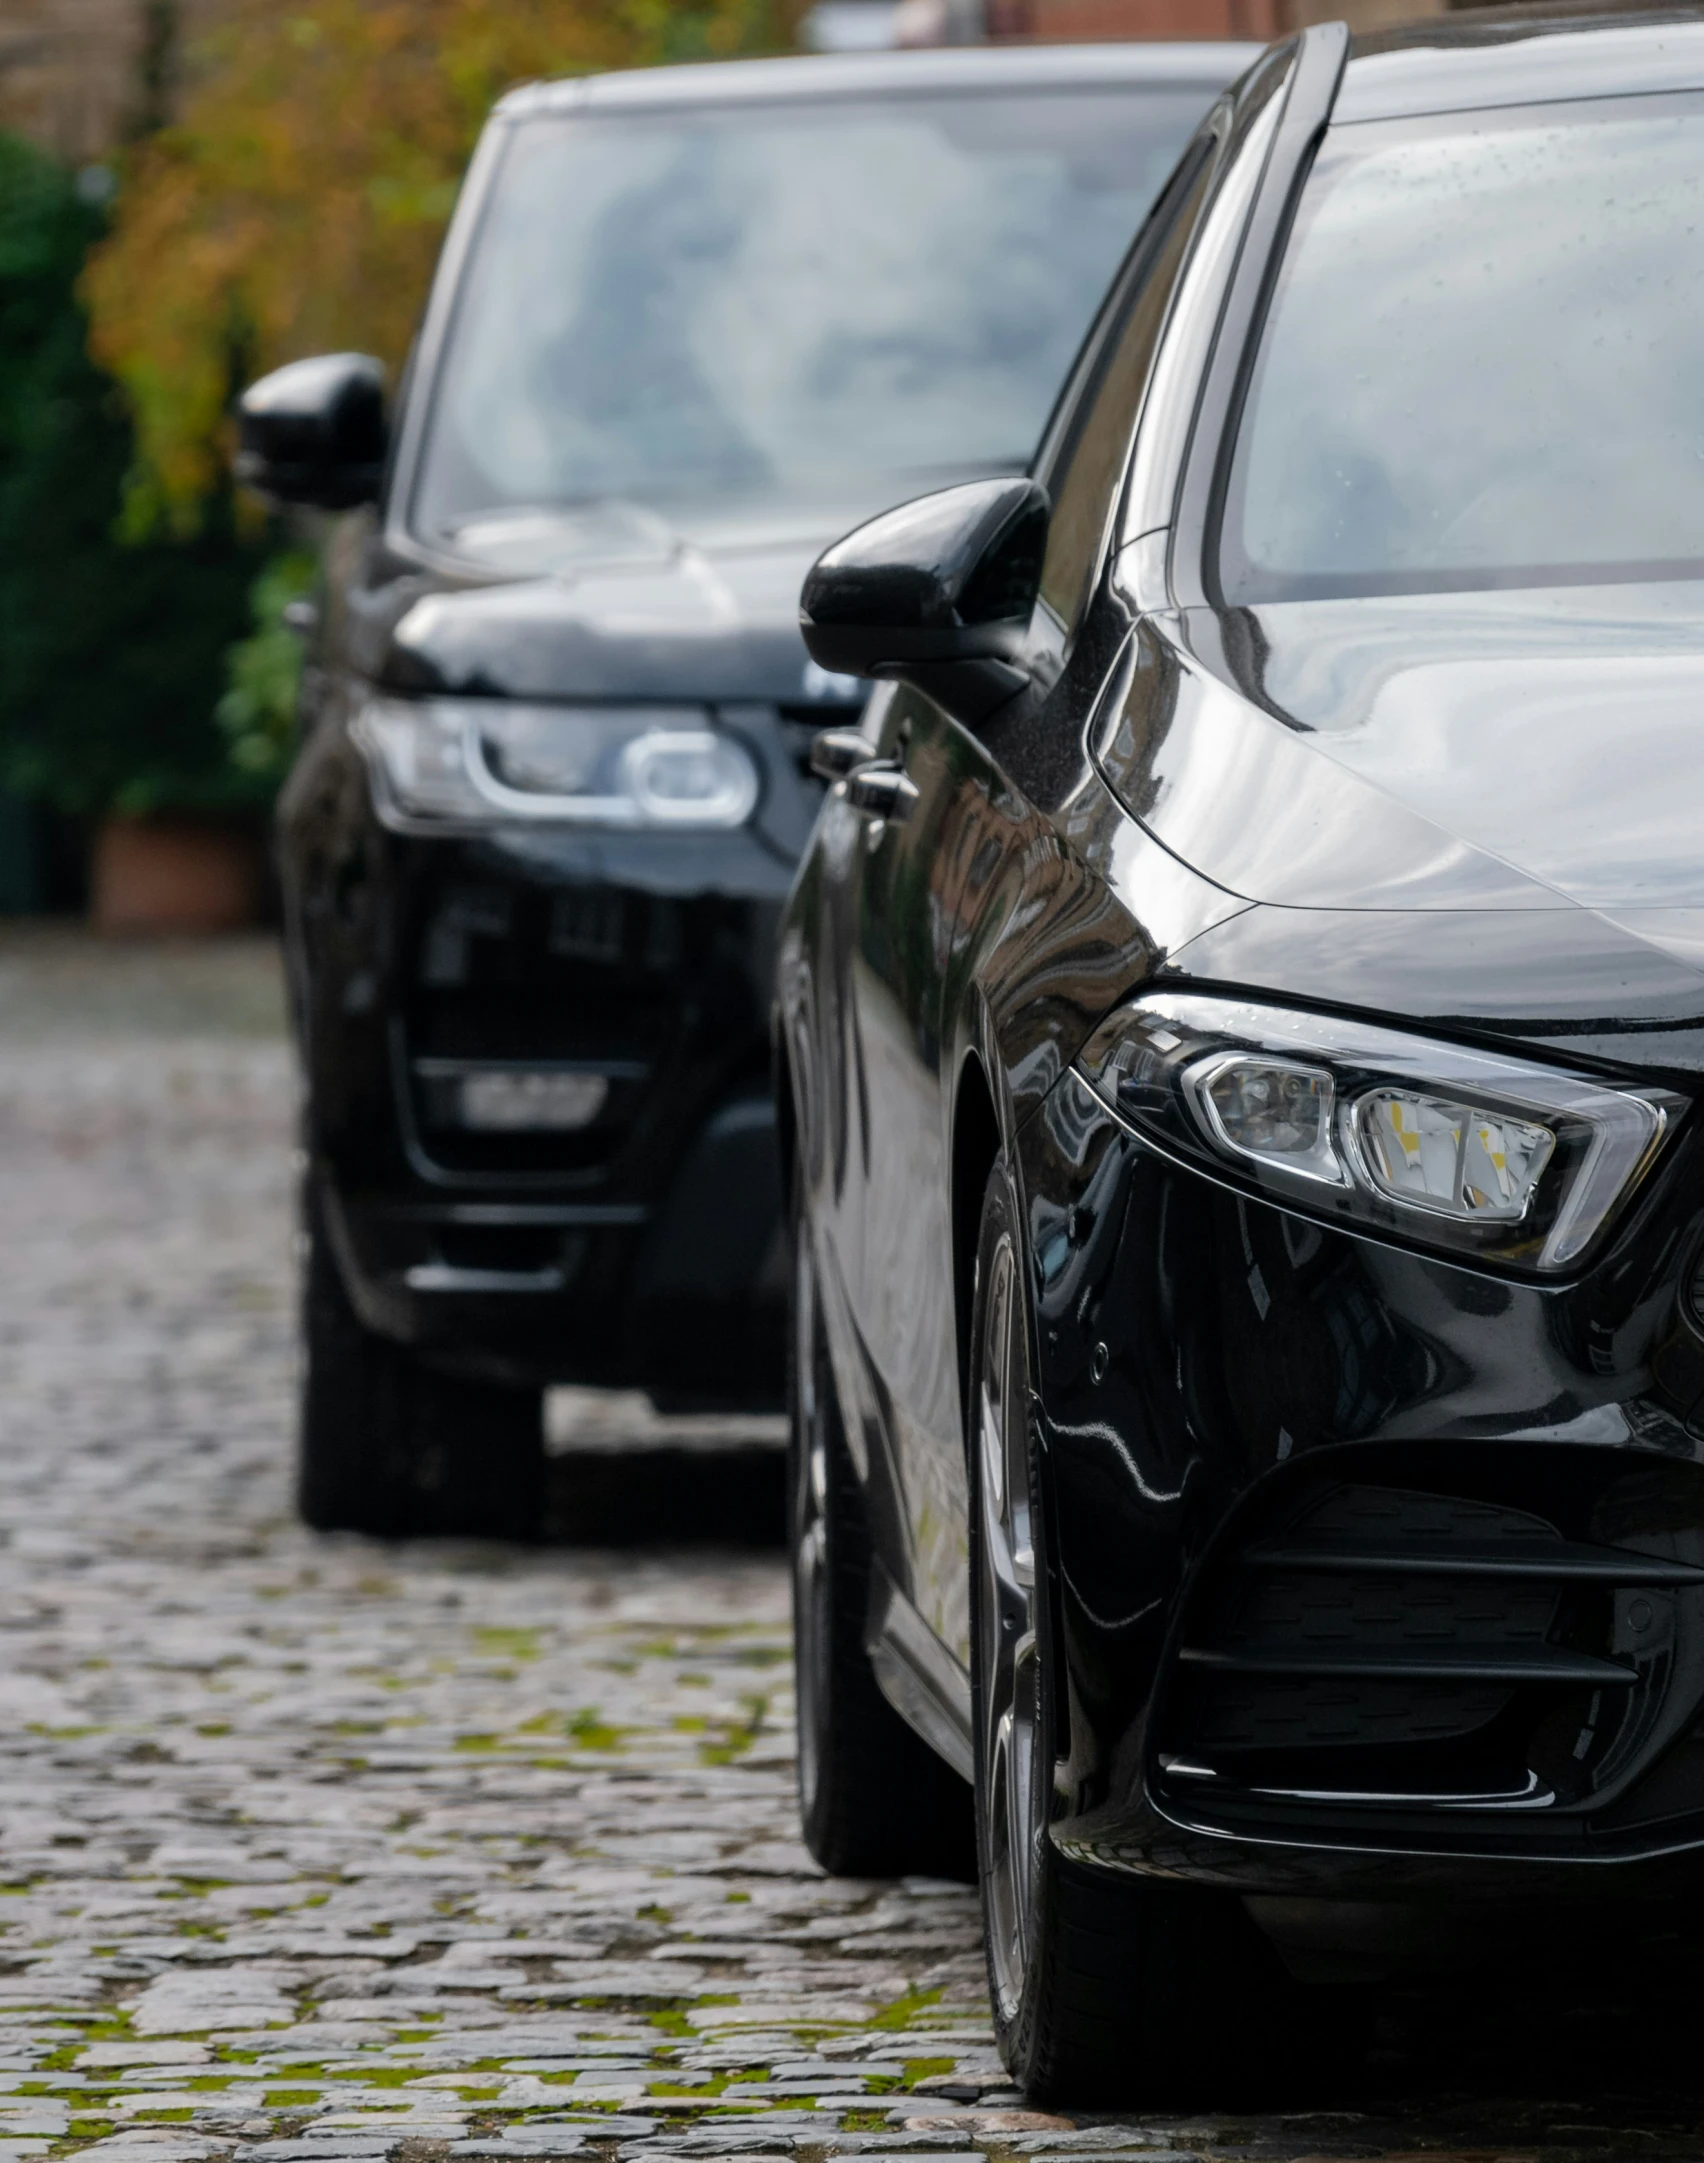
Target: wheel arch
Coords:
[[975, 1145]]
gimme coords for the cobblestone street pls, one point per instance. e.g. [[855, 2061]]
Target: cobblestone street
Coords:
[[314, 1848]]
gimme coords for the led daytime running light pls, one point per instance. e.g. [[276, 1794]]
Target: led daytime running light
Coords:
[[1497, 1157], [489, 761]]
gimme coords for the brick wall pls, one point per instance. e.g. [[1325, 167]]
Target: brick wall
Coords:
[[1075, 20], [72, 72]]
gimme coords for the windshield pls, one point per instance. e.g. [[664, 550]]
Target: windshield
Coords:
[[1484, 362], [832, 303]]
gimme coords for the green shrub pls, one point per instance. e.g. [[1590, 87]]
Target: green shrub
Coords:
[[258, 710], [112, 656]]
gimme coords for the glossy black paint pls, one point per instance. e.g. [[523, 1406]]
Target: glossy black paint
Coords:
[[315, 432], [646, 1250], [939, 592], [1308, 801]]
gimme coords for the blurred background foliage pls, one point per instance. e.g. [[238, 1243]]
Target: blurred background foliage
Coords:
[[112, 656], [257, 713], [297, 202], [282, 190]]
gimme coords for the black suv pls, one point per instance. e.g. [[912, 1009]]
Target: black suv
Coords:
[[553, 778]]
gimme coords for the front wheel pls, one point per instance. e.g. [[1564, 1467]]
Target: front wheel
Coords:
[[391, 1447], [1106, 1989]]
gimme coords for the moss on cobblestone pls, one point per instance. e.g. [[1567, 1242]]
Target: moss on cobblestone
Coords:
[[903, 2010], [440, 1839], [736, 1737], [592, 1732], [515, 1644]]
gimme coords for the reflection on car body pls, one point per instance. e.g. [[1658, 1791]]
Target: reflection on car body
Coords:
[[552, 784], [1239, 1026]]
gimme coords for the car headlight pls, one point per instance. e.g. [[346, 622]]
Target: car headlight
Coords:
[[1485, 1155], [485, 760]]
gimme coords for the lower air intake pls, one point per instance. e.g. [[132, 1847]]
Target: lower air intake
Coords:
[[1391, 1642]]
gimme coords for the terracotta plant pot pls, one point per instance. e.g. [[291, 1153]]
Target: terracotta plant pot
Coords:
[[176, 874]]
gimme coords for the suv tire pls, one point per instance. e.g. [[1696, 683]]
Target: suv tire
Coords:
[[392, 1447]]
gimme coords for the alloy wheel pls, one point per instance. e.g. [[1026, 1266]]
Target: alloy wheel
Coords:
[[1014, 1793], [811, 1588]]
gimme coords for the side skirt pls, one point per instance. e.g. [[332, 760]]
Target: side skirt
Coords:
[[917, 1675]]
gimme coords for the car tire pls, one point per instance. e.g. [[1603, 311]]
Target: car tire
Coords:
[[391, 1447], [1106, 1988], [874, 1800]]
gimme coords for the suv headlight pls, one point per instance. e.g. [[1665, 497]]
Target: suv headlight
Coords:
[[485, 760], [1489, 1156]]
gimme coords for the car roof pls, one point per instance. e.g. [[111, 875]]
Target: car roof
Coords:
[[943, 70], [1520, 56]]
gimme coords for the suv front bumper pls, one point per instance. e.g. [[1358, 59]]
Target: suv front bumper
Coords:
[[639, 1246]]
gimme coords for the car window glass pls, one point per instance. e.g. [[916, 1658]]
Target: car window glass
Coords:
[[1086, 467], [833, 303], [1481, 364]]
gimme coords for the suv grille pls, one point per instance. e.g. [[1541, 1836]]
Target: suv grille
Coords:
[[653, 994]]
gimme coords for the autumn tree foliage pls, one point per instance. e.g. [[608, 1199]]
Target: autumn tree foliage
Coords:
[[111, 657], [296, 202]]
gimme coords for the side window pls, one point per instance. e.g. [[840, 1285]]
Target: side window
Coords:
[[1083, 458]]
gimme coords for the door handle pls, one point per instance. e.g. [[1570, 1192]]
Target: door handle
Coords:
[[835, 752], [885, 792]]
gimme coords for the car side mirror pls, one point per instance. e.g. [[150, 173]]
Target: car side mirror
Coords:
[[937, 593], [315, 432]]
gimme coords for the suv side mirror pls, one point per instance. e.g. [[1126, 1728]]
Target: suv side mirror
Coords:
[[315, 432], [937, 593]]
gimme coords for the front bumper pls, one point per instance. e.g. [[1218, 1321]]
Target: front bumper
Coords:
[[1375, 1576], [640, 1247], [683, 1295]]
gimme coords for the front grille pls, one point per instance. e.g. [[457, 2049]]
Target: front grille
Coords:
[[1270, 1713], [651, 993], [1385, 1639]]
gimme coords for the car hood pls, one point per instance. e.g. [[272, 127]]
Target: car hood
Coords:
[[1532, 750], [614, 601], [1520, 774]]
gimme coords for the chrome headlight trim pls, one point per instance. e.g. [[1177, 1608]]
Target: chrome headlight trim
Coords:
[[436, 766], [1152, 1060]]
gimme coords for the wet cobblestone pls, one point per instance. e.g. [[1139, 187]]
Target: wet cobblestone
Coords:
[[313, 1849]]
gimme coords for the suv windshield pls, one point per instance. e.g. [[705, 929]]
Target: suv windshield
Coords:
[[1484, 361], [825, 303]]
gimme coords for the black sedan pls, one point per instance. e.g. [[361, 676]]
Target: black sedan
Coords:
[[1239, 1023], [552, 784]]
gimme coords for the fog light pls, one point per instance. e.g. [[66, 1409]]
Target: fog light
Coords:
[[514, 1100], [1454, 1158]]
